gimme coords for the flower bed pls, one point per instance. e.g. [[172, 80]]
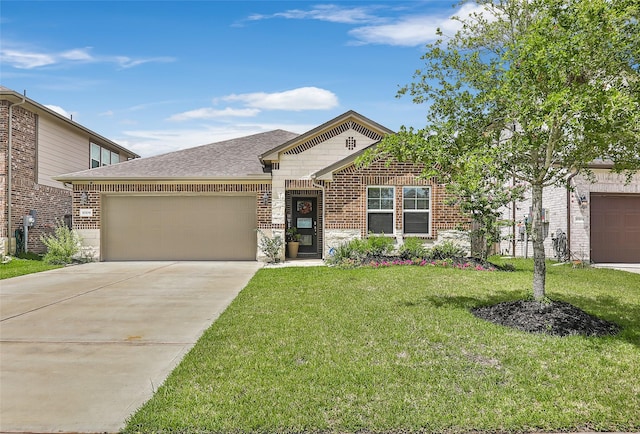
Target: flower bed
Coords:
[[460, 263]]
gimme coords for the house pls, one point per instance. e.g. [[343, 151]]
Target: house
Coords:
[[206, 202], [597, 219], [37, 144]]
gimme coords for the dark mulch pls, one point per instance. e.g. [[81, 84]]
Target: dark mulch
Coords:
[[553, 318]]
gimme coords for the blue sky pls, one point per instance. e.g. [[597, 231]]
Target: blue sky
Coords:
[[158, 76]]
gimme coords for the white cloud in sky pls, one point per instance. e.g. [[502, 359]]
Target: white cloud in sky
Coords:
[[303, 98], [414, 30], [331, 13], [148, 143], [59, 110], [408, 30], [210, 113], [24, 58]]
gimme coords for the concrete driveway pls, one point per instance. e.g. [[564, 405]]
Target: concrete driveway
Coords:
[[631, 268], [83, 347]]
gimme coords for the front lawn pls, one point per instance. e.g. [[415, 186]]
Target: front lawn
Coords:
[[398, 350], [19, 267]]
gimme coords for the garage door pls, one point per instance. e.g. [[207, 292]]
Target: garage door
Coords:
[[615, 228], [186, 228]]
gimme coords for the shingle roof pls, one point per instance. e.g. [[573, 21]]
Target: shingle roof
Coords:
[[235, 158]]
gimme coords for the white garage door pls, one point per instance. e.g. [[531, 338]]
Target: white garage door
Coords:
[[186, 228]]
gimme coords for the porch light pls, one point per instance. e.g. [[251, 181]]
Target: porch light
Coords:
[[84, 198]]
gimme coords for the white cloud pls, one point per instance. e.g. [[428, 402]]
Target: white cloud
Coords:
[[148, 142], [303, 98], [127, 62], [25, 60], [330, 13], [78, 54], [59, 110], [415, 30], [22, 58], [210, 113]]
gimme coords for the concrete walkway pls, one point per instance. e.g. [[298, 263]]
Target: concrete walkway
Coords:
[[83, 347]]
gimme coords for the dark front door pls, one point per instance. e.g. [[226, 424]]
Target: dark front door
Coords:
[[305, 218]]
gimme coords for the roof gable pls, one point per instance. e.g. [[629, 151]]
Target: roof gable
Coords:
[[326, 131]]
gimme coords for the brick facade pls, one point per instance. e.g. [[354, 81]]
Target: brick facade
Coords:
[[346, 206], [50, 203], [95, 191]]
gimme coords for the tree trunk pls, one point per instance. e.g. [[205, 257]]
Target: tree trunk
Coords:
[[539, 265]]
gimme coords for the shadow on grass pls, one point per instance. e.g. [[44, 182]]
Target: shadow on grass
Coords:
[[463, 302], [608, 308]]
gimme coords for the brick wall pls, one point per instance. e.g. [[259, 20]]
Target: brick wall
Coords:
[[347, 193], [94, 193], [50, 203]]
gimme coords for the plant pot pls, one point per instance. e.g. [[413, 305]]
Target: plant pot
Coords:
[[292, 246]]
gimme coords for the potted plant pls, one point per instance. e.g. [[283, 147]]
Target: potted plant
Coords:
[[293, 241]]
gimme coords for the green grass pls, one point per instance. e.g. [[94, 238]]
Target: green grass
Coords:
[[19, 267], [396, 349]]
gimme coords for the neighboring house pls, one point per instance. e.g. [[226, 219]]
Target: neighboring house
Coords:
[[205, 203], [600, 219], [37, 144]]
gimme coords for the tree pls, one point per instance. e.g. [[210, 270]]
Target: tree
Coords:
[[531, 91], [482, 199]]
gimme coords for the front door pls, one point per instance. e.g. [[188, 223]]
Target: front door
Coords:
[[305, 218]]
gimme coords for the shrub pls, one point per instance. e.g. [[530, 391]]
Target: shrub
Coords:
[[348, 254], [271, 247], [379, 245], [412, 248], [446, 250], [354, 252], [62, 245]]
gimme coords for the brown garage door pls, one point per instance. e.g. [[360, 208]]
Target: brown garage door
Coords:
[[186, 228], [615, 228]]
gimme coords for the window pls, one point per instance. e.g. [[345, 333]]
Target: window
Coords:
[[102, 156], [95, 155], [416, 206], [380, 207]]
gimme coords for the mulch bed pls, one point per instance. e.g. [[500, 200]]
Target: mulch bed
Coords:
[[553, 318]]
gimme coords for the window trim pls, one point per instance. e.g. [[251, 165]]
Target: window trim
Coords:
[[381, 211], [429, 210]]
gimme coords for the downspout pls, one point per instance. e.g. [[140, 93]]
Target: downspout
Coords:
[[322, 188], [9, 177]]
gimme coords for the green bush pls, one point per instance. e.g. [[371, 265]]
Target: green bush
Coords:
[[271, 247], [352, 253], [412, 248], [62, 245], [379, 245], [446, 250], [347, 254]]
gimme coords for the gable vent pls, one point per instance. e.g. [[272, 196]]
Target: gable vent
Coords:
[[332, 133]]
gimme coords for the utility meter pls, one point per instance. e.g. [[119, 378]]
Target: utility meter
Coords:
[[28, 220]]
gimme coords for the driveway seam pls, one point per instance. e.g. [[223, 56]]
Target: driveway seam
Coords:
[[71, 297]]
